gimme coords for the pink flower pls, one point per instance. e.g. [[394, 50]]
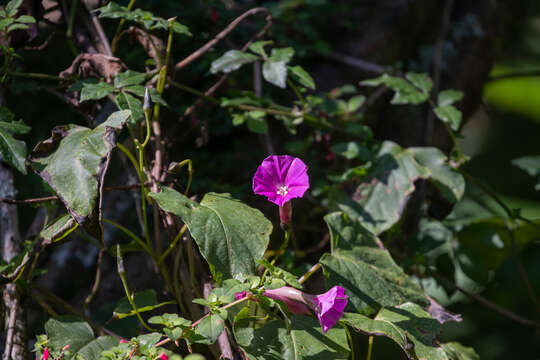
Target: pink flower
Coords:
[[123, 341], [163, 357], [45, 354], [328, 307], [281, 178]]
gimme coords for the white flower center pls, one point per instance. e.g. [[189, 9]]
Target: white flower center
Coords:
[[282, 190]]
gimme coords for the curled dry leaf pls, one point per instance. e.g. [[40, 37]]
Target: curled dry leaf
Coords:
[[94, 66], [154, 46]]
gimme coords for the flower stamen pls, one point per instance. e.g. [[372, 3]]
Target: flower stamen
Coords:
[[282, 190]]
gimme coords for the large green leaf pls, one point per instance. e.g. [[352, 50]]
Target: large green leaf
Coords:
[[93, 349], [74, 162], [485, 243], [70, 331], [305, 340], [126, 101], [448, 97], [381, 197], [210, 328], [410, 326], [95, 91], [450, 182], [456, 351], [371, 278], [346, 234], [232, 60], [128, 78], [231, 235]]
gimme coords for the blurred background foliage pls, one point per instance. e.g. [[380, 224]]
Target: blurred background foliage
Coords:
[[491, 52]]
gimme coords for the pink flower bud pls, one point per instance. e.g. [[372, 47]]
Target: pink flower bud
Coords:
[[285, 213], [240, 295], [163, 357], [292, 297], [45, 354], [123, 341], [66, 347]]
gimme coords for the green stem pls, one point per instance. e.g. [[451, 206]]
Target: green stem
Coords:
[[370, 348], [115, 39], [173, 244], [36, 76], [278, 254], [129, 233], [122, 274], [296, 91], [193, 91], [310, 272]]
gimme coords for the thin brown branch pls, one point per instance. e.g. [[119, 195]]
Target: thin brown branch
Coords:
[[496, 308], [358, 63], [97, 281], [217, 85], [198, 53], [55, 198]]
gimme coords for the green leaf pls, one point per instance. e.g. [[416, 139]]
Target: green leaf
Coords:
[[306, 340], [381, 197], [170, 321], [74, 162], [421, 81], [346, 234], [449, 181], [351, 150], [26, 19], [456, 351], [68, 330], [231, 235], [257, 125], [17, 26], [14, 127], [13, 151], [93, 349], [13, 6], [129, 77], [275, 72], [450, 115], [410, 326], [283, 54], [531, 165], [238, 119], [210, 328], [484, 244], [181, 29], [228, 289], [232, 60], [405, 93], [448, 97], [58, 229], [371, 279], [126, 101], [302, 76], [144, 301], [355, 102], [258, 47], [95, 91]]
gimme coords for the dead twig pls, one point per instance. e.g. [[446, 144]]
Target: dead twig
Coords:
[[55, 198]]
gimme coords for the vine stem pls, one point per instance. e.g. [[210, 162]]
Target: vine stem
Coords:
[[370, 347], [129, 233], [173, 244], [310, 272], [116, 37]]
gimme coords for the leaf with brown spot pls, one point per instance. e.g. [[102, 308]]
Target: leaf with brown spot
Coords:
[[73, 161]]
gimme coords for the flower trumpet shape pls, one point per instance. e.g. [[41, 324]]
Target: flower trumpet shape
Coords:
[[281, 178], [328, 307]]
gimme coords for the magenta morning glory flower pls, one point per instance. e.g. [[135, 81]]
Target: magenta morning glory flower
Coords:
[[281, 178], [328, 307]]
